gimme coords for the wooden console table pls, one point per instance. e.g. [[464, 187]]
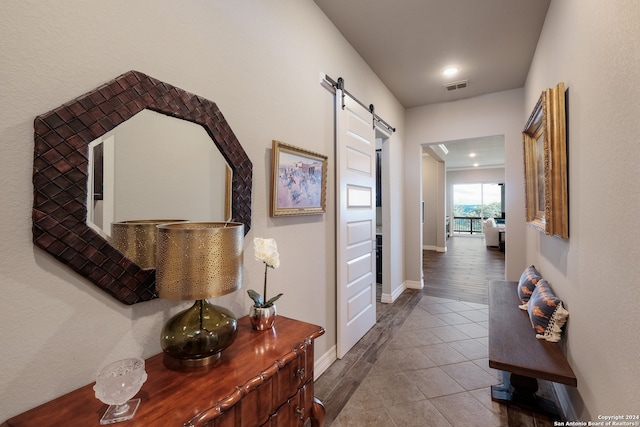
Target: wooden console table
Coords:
[[265, 378]]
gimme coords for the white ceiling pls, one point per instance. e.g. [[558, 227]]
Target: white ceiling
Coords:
[[486, 152], [408, 43]]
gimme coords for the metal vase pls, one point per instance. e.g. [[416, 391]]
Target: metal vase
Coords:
[[262, 318]]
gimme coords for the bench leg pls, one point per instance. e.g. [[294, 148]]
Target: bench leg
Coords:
[[520, 391]]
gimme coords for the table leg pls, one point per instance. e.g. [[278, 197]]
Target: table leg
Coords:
[[318, 413]]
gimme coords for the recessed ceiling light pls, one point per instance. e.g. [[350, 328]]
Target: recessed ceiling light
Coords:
[[475, 165], [472, 154], [450, 71]]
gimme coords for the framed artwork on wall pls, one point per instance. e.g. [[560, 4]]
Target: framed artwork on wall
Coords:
[[545, 164], [298, 181]]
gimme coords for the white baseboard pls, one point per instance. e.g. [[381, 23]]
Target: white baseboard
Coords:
[[566, 408], [434, 248], [323, 363], [390, 298], [412, 284]]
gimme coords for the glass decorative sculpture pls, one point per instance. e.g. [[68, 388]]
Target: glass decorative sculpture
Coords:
[[116, 384]]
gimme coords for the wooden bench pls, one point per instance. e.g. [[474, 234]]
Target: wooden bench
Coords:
[[514, 348]]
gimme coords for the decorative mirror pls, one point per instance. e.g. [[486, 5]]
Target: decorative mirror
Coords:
[[61, 175]]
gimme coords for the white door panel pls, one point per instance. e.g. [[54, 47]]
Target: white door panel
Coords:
[[359, 162], [358, 231], [359, 125], [355, 180], [359, 267], [359, 197], [359, 302]]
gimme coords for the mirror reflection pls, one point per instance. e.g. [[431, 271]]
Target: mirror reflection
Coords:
[[65, 139], [155, 166]]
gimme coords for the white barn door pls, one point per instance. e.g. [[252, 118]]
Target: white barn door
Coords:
[[356, 222]]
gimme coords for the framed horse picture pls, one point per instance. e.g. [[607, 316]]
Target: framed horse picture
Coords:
[[298, 181]]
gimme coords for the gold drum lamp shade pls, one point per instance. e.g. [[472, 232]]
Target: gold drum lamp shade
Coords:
[[196, 261], [136, 239]]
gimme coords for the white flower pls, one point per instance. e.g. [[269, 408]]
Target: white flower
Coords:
[[266, 250]]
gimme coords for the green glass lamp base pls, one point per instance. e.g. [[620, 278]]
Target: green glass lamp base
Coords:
[[196, 336]]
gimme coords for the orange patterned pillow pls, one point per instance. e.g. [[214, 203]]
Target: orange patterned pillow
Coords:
[[546, 313], [530, 276]]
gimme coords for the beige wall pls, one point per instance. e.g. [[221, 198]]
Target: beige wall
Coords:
[[433, 195], [592, 47], [260, 62], [393, 226]]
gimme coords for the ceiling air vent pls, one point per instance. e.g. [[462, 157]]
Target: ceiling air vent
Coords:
[[456, 85]]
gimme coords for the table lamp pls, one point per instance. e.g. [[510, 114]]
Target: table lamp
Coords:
[[196, 261], [137, 239]]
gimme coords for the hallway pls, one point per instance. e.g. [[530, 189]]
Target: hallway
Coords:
[[425, 361]]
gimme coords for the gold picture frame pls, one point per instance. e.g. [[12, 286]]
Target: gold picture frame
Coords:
[[545, 164], [298, 181]]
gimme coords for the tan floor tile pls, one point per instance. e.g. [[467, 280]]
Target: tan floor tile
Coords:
[[381, 368], [402, 340], [392, 388], [366, 398], [463, 410], [434, 382], [475, 315], [353, 416], [449, 333], [428, 299], [471, 349], [435, 308], [406, 359], [470, 376], [417, 311], [456, 306], [442, 354], [484, 364], [421, 321], [477, 306], [483, 341], [473, 330], [452, 318], [483, 395], [417, 414], [413, 338]]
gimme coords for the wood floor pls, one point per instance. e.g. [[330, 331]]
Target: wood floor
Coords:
[[464, 271], [460, 274]]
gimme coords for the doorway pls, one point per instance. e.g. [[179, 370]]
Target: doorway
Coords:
[[457, 162]]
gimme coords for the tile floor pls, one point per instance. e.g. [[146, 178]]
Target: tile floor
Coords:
[[425, 363], [433, 372]]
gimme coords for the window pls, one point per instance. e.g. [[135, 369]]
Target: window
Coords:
[[474, 202]]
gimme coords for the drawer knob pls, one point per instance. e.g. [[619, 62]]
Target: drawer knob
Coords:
[[300, 412], [300, 373]]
